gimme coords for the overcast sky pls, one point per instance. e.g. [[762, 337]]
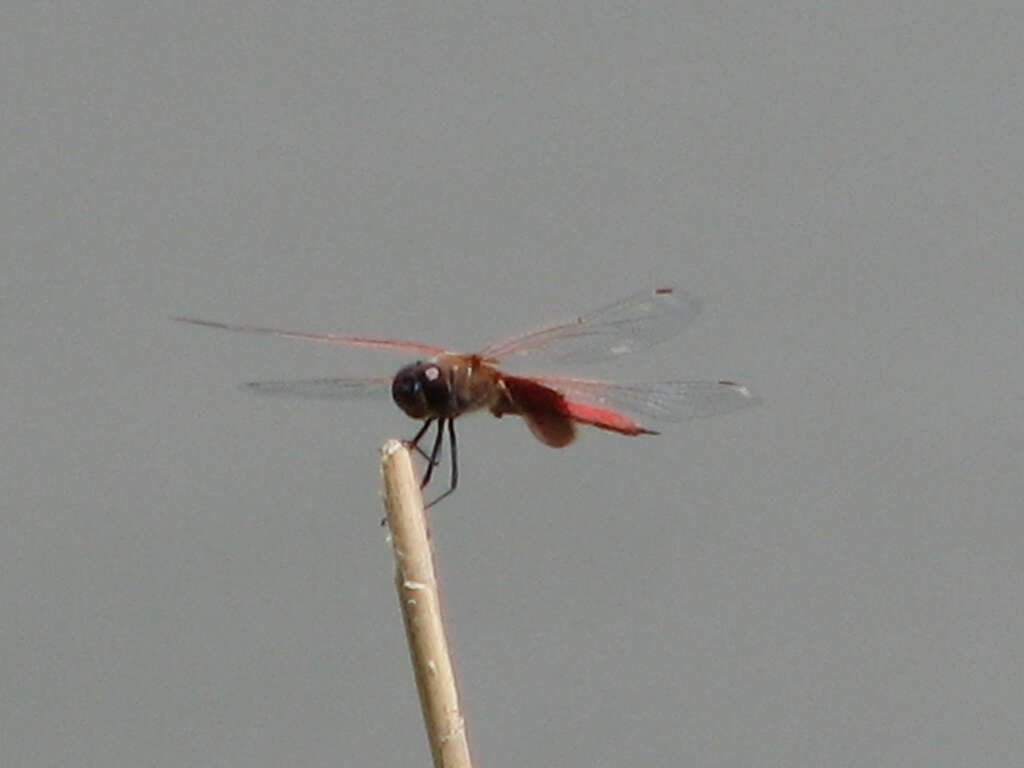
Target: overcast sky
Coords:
[[194, 576]]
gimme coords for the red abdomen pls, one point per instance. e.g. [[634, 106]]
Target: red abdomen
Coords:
[[551, 417]]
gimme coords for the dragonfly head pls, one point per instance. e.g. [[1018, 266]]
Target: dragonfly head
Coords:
[[422, 390]]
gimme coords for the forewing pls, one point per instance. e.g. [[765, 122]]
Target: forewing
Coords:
[[351, 341], [667, 401], [630, 325], [323, 389]]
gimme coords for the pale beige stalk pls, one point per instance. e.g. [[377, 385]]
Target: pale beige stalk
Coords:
[[421, 610]]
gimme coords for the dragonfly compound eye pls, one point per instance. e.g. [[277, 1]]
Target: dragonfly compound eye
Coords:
[[436, 388], [407, 392]]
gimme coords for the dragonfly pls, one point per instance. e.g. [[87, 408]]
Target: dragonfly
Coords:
[[443, 385]]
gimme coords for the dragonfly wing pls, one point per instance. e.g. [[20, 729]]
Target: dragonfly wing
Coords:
[[323, 389], [667, 401], [629, 325], [325, 338]]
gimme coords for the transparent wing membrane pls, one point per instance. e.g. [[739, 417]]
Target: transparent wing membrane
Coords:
[[323, 389], [630, 325], [667, 401]]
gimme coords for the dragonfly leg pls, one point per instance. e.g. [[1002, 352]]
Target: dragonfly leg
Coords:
[[415, 442], [432, 458], [435, 452], [455, 465]]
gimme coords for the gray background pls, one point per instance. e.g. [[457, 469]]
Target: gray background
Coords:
[[191, 576]]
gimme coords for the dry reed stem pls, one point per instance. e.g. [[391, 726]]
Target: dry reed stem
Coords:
[[421, 610]]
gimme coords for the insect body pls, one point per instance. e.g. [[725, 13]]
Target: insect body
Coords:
[[448, 384]]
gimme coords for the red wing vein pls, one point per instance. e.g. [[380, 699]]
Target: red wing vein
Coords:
[[351, 341]]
